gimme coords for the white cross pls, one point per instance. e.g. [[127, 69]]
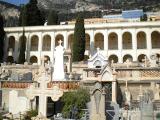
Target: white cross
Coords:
[[43, 92], [60, 42], [98, 49]]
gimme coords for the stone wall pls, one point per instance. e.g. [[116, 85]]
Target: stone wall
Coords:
[[134, 88]]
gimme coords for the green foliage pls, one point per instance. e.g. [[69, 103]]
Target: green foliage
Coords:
[[1, 118], [52, 18], [31, 15], [158, 115], [22, 16], [78, 48], [29, 114], [144, 17], [2, 35], [21, 58], [77, 98]]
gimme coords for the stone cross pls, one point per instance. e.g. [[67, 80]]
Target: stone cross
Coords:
[[145, 61], [43, 92], [128, 63], [60, 42], [98, 49], [112, 62]]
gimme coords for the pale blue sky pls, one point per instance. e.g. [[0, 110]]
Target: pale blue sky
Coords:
[[16, 2]]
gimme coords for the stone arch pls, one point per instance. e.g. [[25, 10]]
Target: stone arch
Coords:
[[141, 40], [33, 59], [87, 38], [127, 40], [114, 58], [10, 59], [155, 39], [158, 58], [46, 58], [20, 41], [127, 56], [113, 41], [141, 57], [11, 43], [99, 41], [46, 44], [107, 74], [70, 41], [59, 37], [34, 43], [98, 64]]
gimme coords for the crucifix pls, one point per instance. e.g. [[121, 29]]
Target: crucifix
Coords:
[[60, 42], [43, 92]]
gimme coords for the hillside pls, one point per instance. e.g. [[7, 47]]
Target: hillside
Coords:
[[67, 8], [94, 5], [10, 13]]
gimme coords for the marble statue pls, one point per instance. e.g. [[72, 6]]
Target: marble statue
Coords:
[[58, 73]]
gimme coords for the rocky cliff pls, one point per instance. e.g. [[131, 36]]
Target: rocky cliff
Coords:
[[67, 8], [10, 13]]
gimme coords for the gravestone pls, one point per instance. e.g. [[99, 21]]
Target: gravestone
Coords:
[[97, 102], [14, 76], [97, 60], [43, 92], [58, 73], [17, 104], [27, 76], [146, 107], [153, 60], [127, 95], [112, 111]]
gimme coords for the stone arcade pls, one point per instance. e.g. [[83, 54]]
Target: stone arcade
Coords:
[[117, 41]]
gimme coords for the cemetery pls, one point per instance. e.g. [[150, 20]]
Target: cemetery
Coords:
[[105, 68], [127, 91], [116, 78]]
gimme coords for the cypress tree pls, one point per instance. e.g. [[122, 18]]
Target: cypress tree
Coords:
[[2, 35], [52, 18], [143, 18], [33, 14], [21, 58], [23, 17], [78, 48]]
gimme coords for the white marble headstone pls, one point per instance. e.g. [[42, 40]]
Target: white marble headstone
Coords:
[[58, 73], [17, 104]]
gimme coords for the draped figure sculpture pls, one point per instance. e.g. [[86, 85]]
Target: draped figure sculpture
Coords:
[[58, 73]]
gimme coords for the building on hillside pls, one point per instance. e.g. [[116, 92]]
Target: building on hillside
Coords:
[[153, 16], [127, 15]]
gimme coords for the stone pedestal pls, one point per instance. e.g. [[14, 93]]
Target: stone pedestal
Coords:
[[97, 103], [114, 91]]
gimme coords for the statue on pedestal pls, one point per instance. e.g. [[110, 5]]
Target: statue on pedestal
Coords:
[[58, 73]]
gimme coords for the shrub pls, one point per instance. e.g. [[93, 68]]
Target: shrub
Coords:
[[29, 114], [75, 100]]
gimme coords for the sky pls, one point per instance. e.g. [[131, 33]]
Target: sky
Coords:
[[16, 2]]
